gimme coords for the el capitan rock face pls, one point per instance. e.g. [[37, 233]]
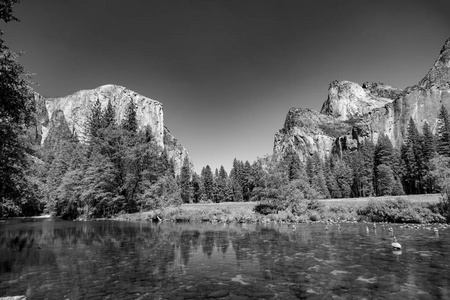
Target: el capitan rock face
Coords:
[[59, 118], [353, 113]]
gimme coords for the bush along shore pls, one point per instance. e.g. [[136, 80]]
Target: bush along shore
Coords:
[[374, 210]]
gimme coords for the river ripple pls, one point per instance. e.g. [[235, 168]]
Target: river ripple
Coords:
[[47, 259]]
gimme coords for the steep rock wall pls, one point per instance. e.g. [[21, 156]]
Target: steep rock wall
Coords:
[[303, 132], [347, 100]]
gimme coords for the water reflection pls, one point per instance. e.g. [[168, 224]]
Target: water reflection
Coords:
[[112, 260]]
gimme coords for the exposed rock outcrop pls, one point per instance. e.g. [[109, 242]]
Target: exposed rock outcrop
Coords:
[[439, 74], [58, 118], [347, 100], [353, 113], [304, 132]]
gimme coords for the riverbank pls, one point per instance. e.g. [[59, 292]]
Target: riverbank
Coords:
[[399, 209]]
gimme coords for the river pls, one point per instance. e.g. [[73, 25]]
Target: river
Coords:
[[47, 259]]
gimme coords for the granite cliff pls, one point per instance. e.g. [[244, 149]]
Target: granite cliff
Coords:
[[58, 118], [352, 113]]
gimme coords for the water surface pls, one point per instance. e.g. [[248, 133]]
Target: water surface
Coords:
[[46, 259]]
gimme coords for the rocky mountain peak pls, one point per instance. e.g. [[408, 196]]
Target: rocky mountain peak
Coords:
[[347, 100], [446, 46], [439, 74]]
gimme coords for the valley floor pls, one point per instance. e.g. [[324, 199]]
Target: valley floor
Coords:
[[409, 209]]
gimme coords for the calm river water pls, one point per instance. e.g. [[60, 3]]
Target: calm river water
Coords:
[[47, 259]]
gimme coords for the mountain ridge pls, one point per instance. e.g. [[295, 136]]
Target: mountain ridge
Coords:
[[364, 112]]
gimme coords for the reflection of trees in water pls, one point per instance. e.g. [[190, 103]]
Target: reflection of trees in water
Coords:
[[19, 249], [85, 254], [188, 239], [222, 241], [208, 242]]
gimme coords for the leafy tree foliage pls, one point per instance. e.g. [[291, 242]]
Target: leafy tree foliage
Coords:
[[440, 172], [120, 170], [16, 112]]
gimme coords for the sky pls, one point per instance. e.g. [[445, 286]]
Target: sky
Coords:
[[226, 72]]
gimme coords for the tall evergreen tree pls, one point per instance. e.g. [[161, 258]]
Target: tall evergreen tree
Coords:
[[384, 151], [109, 115], [247, 181], [383, 155], [129, 122], [294, 165], [185, 181], [443, 133], [223, 186], [428, 146], [367, 151], [385, 180], [208, 183], [236, 180], [429, 151], [344, 178], [332, 185], [412, 156], [94, 121], [196, 193]]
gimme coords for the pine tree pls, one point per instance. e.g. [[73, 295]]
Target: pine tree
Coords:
[[196, 192], [332, 185], [208, 183], [384, 152], [129, 122], [344, 178], [367, 151], [222, 185], [428, 143], [412, 156], [236, 180], [385, 180], [247, 181], [295, 166], [108, 116], [443, 133], [94, 121], [429, 150], [316, 176], [383, 155], [185, 180]]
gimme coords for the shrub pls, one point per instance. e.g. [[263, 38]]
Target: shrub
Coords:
[[266, 208], [399, 211]]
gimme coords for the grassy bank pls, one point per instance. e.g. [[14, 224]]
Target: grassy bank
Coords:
[[401, 209]]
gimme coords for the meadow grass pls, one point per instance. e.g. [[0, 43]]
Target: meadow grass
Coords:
[[399, 209]]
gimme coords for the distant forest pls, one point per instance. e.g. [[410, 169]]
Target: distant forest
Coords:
[[121, 169]]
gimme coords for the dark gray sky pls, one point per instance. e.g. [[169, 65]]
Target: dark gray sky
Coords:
[[226, 72]]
